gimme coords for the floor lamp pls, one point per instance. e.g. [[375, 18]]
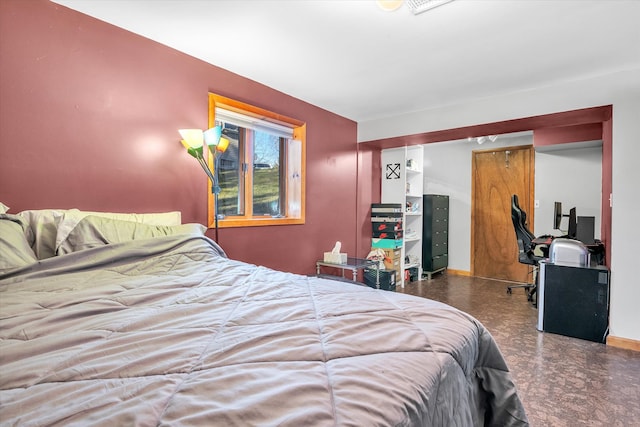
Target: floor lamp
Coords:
[[194, 141]]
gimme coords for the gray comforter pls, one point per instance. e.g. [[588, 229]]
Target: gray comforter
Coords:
[[168, 331]]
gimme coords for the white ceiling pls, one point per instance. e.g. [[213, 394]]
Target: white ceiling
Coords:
[[356, 60]]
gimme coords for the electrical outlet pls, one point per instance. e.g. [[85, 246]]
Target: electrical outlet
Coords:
[[536, 203]]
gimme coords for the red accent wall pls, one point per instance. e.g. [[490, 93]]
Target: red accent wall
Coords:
[[607, 186], [89, 115], [566, 134]]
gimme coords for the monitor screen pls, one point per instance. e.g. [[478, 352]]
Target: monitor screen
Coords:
[[557, 215], [573, 224]]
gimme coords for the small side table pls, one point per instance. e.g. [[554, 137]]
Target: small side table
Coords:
[[353, 264]]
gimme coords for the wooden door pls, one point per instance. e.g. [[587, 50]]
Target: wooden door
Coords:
[[496, 175]]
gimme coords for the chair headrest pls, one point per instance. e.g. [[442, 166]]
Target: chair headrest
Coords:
[[519, 219]]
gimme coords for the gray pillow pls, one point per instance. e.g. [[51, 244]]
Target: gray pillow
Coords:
[[93, 231], [72, 217], [51, 226], [15, 243], [44, 224]]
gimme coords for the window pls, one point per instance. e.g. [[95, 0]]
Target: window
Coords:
[[261, 174]]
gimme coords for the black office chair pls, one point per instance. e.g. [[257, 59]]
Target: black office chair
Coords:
[[526, 248]]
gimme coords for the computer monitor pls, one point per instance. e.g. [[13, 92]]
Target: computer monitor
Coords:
[[572, 231], [585, 232], [557, 215], [557, 220]]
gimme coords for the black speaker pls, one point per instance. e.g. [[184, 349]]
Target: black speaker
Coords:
[[574, 301]]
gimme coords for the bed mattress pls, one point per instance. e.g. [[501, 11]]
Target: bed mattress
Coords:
[[169, 331]]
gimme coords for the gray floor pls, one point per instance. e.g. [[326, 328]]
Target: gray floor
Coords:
[[562, 381]]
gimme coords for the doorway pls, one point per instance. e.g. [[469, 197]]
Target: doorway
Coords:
[[496, 175]]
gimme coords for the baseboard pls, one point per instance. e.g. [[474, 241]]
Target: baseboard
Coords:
[[458, 272], [625, 343]]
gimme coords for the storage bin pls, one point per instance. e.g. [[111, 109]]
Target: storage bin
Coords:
[[390, 234], [379, 226], [387, 279], [386, 243]]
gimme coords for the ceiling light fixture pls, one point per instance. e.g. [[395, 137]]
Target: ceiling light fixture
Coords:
[[419, 6], [481, 139], [389, 5]]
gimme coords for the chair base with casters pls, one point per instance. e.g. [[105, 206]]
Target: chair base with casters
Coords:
[[530, 289]]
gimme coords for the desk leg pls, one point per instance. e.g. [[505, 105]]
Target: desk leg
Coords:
[[318, 269], [355, 275]]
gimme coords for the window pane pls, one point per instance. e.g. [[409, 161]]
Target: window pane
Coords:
[[266, 174], [230, 202]]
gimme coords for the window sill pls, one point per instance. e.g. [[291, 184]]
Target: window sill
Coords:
[[257, 222]]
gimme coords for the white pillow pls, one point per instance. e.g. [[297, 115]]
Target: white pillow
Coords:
[[3, 208]]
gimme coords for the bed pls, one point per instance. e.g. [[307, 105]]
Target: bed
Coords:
[[124, 326]]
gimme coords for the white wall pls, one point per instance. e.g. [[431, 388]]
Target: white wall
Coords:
[[620, 89], [572, 177], [447, 170], [624, 316], [564, 96]]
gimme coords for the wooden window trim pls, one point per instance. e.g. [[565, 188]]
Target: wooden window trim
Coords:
[[299, 133]]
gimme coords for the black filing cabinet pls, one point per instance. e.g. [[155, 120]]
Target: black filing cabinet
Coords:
[[435, 233]]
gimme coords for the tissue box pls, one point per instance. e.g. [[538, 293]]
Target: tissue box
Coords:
[[335, 258]]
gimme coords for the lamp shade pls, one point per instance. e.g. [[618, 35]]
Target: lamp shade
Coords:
[[222, 145], [192, 138], [212, 136]]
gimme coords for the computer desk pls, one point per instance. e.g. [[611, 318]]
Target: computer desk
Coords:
[[596, 249]]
